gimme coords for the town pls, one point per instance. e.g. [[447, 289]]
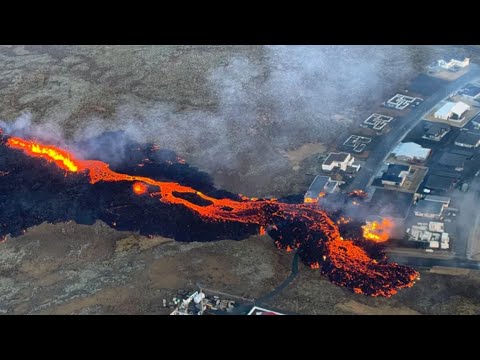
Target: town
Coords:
[[418, 159]]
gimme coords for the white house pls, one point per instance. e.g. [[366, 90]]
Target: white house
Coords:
[[452, 111], [411, 152], [340, 160]]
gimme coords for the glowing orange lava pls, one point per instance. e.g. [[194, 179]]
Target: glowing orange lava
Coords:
[[344, 262], [139, 188], [49, 152], [378, 231]]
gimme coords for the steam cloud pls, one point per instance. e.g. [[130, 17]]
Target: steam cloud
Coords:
[[263, 106]]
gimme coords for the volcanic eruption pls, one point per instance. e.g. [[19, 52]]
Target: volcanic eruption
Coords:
[[168, 198]]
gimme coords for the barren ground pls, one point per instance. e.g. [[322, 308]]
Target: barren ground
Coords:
[[76, 269]]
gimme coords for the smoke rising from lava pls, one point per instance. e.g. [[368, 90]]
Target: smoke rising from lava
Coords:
[[314, 232], [256, 105]]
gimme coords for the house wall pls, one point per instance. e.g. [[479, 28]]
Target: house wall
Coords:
[[427, 215], [390, 183], [328, 167], [465, 145]]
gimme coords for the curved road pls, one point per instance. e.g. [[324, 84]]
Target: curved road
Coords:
[[283, 285]]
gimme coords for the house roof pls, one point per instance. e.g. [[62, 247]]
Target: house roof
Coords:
[[452, 160], [435, 128], [317, 186], [442, 199], [411, 150], [392, 178], [468, 138], [429, 207], [395, 170], [340, 157], [459, 108], [330, 186], [445, 110], [439, 182], [471, 90]]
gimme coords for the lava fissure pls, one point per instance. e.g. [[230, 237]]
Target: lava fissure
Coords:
[[311, 230]]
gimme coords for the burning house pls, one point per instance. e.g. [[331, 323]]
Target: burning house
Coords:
[[320, 186]]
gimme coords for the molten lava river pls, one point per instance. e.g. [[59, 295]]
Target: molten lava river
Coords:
[[340, 250]]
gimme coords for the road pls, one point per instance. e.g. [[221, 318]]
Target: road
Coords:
[[262, 300], [473, 217], [429, 262], [409, 121]]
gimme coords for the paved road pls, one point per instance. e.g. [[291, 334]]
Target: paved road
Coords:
[[409, 121], [428, 263], [471, 246], [283, 285]]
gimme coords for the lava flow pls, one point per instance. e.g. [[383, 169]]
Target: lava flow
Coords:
[[378, 231], [304, 227], [139, 188]]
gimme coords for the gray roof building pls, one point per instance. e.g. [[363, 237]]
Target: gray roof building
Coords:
[[429, 208], [468, 139]]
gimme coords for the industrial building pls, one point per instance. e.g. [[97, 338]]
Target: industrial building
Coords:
[[411, 152], [395, 175], [453, 64], [429, 209], [452, 111], [436, 131], [468, 139], [320, 186], [339, 160]]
